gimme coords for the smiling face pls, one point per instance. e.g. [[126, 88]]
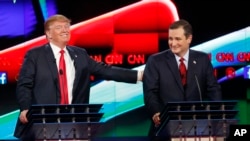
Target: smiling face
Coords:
[[178, 42], [180, 35], [59, 33], [57, 30]]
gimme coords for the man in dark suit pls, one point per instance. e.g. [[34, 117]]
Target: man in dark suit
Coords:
[[162, 82], [40, 76]]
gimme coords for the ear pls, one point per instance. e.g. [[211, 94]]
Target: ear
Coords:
[[190, 37], [48, 34]]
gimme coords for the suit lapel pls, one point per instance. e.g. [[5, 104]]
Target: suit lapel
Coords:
[[51, 61], [171, 61], [74, 57], [192, 66], [52, 64]]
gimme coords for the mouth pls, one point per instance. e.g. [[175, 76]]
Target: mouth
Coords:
[[64, 35], [175, 48]]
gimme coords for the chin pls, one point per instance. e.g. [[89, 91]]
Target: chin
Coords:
[[175, 51]]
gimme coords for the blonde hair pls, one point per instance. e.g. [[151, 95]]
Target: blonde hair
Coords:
[[55, 18]]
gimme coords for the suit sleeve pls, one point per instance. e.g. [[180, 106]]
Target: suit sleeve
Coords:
[[25, 82], [151, 87], [213, 87], [108, 72]]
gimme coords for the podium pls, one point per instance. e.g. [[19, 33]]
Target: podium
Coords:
[[196, 119], [63, 122]]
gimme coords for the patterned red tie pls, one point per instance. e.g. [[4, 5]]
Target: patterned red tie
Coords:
[[183, 72], [63, 80]]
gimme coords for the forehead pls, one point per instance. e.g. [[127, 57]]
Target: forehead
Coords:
[[59, 23], [178, 32]]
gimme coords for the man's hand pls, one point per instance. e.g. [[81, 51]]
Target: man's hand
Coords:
[[140, 75], [23, 117], [156, 119]]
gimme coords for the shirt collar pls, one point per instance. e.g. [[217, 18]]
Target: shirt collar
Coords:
[[186, 56], [56, 49]]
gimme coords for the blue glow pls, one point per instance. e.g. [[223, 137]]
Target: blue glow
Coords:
[[7, 125], [3, 78], [247, 72], [16, 18], [238, 73], [235, 42], [48, 8]]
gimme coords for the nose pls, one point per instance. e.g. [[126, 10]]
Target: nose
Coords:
[[172, 43]]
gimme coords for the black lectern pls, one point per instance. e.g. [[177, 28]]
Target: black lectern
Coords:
[[192, 119], [63, 122]]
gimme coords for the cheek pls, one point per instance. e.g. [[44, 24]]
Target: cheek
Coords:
[[172, 42], [51, 34]]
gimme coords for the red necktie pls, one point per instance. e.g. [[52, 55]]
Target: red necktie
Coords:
[[63, 80], [183, 72]]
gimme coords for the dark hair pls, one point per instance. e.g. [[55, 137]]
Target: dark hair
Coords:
[[184, 24]]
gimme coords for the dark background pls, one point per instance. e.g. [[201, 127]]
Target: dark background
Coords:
[[213, 18]]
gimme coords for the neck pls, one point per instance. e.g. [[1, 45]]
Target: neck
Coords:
[[60, 45]]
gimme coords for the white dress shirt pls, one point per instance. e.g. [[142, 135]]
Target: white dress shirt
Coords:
[[70, 69], [186, 56]]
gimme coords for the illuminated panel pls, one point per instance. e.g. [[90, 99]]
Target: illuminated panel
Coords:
[[228, 51], [7, 125], [3, 78], [118, 99], [147, 21], [12, 22], [100, 32], [237, 73], [247, 72], [48, 8], [11, 58]]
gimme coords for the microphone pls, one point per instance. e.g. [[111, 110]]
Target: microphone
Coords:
[[198, 84], [60, 71], [199, 89]]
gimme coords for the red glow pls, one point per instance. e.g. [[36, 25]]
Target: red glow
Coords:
[[136, 59], [230, 72], [136, 43], [136, 28], [225, 57], [215, 73], [114, 59], [97, 58], [243, 57]]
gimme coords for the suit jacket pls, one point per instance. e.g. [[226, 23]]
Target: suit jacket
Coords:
[[38, 78], [162, 81]]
